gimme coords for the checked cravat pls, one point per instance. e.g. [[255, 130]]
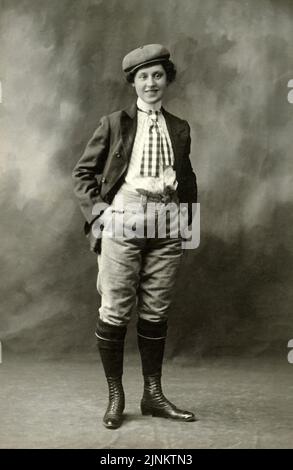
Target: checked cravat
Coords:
[[156, 147]]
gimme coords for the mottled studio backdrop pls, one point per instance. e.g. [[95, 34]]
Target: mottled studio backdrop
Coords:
[[60, 70]]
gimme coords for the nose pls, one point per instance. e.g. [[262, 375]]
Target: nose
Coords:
[[150, 81]]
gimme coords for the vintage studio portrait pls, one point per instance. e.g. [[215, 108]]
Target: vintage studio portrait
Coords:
[[146, 206]]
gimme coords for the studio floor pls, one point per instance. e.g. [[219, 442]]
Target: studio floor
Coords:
[[240, 403]]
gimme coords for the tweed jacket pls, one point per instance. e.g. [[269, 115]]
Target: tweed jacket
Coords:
[[101, 170]]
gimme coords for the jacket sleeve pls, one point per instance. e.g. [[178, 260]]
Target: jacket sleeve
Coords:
[[188, 179], [88, 170]]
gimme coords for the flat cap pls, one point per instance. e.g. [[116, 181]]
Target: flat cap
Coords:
[[144, 55]]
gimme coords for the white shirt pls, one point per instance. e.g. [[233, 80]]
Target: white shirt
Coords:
[[133, 179]]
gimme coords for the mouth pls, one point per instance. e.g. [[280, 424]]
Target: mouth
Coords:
[[151, 91]]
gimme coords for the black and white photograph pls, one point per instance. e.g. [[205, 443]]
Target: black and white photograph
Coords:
[[146, 227]]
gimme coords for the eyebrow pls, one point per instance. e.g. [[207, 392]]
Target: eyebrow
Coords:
[[153, 73]]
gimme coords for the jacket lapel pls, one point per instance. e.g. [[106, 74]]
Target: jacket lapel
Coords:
[[128, 125], [174, 133]]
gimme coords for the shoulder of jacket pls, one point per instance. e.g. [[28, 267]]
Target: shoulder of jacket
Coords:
[[177, 119], [108, 119], [114, 116]]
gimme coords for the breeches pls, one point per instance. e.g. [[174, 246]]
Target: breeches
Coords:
[[138, 271]]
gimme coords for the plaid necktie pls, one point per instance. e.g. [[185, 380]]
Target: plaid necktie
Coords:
[[156, 147]]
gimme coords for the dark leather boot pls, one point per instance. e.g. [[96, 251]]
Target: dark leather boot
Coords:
[[111, 346], [151, 342], [113, 417], [155, 403]]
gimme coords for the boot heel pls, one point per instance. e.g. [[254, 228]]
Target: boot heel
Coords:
[[145, 410]]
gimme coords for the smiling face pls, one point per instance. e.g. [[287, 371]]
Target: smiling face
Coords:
[[150, 83]]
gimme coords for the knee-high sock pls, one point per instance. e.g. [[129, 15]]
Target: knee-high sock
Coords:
[[151, 338], [110, 339]]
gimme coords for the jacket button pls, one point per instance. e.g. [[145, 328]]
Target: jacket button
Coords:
[[117, 154], [103, 180]]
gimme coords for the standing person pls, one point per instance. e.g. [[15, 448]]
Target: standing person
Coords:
[[137, 155]]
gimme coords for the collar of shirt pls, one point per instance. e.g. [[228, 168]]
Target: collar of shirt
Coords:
[[147, 107]]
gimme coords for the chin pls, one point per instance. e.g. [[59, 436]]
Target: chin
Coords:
[[151, 100]]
